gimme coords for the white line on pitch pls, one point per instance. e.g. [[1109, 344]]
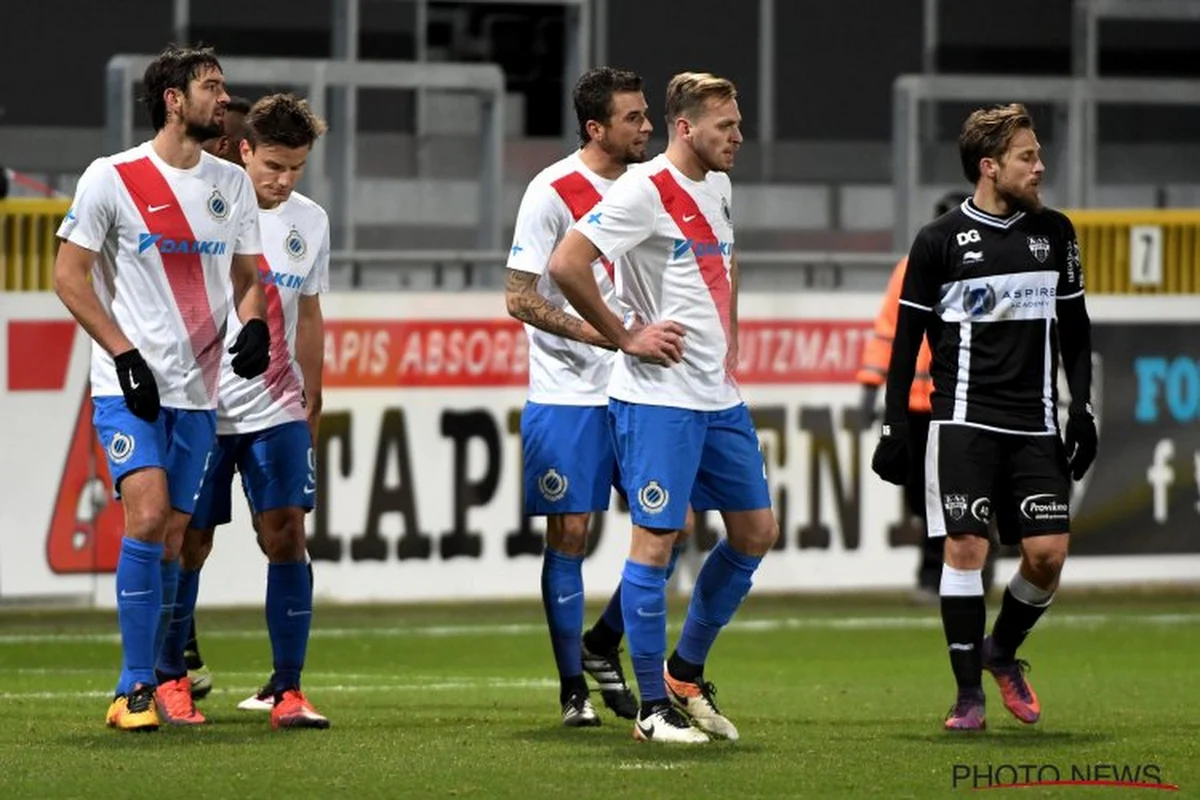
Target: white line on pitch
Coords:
[[526, 629]]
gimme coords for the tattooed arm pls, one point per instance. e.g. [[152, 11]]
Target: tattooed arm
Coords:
[[527, 305]]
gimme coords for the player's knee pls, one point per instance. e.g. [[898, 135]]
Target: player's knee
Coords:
[[147, 522], [754, 534], [1046, 562], [197, 544], [966, 551], [281, 535], [567, 533]]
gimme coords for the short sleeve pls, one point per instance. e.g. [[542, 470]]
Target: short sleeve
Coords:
[[926, 273], [249, 239], [542, 221], [94, 210], [623, 219], [317, 280], [1070, 280]]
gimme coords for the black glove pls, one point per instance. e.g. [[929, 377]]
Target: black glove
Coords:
[[252, 349], [138, 385], [890, 461], [1081, 441]]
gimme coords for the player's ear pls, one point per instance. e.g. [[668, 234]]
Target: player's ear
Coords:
[[245, 150]]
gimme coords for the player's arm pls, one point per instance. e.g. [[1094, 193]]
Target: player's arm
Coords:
[[310, 335], [528, 305], [918, 295], [310, 355], [542, 220], [731, 352], [72, 267], [83, 232], [252, 348], [1075, 344], [622, 221], [249, 299]]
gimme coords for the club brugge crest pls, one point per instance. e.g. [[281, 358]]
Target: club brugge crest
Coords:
[[1040, 247], [955, 505], [218, 206], [553, 485], [295, 245], [725, 210], [653, 497]]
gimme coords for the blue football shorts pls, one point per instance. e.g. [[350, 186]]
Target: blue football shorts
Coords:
[[670, 456], [180, 442], [568, 458], [278, 468]]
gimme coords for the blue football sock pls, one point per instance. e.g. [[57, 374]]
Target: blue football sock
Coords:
[[170, 658], [170, 586], [139, 596], [722, 585], [289, 617], [644, 606], [612, 612], [562, 598]]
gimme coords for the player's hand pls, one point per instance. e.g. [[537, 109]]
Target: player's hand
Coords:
[[658, 342], [890, 461], [1082, 442], [138, 385], [252, 349]]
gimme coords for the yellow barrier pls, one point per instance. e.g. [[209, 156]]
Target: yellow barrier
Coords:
[[28, 243], [1124, 252], [1139, 251]]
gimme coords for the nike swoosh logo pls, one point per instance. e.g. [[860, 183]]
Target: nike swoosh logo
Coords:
[[309, 489], [687, 218], [568, 598], [641, 612], [126, 593], [132, 383], [294, 613], [156, 209]]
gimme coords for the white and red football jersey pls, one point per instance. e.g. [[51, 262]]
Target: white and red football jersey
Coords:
[[672, 241], [294, 262], [561, 371], [165, 239]]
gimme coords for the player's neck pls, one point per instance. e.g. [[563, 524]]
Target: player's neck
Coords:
[[683, 158], [266, 203], [601, 163], [991, 203], [176, 148]]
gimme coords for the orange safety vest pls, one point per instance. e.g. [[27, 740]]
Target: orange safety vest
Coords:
[[878, 350]]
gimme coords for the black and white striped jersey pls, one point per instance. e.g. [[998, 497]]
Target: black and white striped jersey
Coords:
[[993, 286]]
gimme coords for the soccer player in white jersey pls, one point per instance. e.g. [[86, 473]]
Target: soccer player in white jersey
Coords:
[[266, 427], [569, 464], [170, 238], [679, 425], [229, 147]]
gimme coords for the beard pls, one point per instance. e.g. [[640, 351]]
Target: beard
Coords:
[[1029, 202], [203, 131]]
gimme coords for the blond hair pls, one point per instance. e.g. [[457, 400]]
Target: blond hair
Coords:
[[988, 133], [689, 91]]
